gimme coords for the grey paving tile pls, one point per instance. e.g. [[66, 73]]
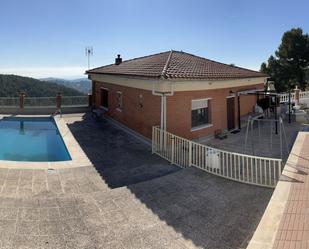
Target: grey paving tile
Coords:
[[135, 240], [49, 214], [107, 205], [39, 242], [24, 191], [80, 241], [8, 213], [68, 201], [89, 210], [29, 202], [48, 202], [9, 202], [51, 227], [6, 241], [29, 214], [111, 245], [69, 212], [7, 227], [74, 226], [27, 227], [9, 190], [114, 217]]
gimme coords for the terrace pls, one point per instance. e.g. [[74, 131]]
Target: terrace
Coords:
[[122, 196]]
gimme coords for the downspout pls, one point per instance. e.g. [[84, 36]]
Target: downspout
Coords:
[[164, 106], [163, 96]]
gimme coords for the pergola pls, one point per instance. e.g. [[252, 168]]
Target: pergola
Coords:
[[266, 94]]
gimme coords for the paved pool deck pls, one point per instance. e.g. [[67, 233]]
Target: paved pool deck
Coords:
[[285, 223], [125, 198]]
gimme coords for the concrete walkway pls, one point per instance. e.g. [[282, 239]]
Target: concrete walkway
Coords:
[[81, 208], [285, 223]]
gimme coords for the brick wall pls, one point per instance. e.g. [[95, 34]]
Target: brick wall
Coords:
[[141, 110], [179, 110], [142, 118]]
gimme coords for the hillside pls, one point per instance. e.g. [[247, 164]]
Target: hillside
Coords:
[[82, 84], [12, 85]]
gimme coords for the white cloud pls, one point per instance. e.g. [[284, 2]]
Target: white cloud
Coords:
[[43, 72]]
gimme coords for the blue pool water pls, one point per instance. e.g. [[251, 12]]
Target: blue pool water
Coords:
[[31, 139]]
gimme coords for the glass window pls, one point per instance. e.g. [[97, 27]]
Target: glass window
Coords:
[[119, 101], [200, 113]]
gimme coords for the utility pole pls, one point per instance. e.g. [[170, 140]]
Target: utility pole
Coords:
[[89, 52]]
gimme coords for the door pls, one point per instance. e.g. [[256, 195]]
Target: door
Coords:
[[104, 97], [230, 107]]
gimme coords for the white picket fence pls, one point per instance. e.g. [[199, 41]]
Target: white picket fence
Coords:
[[244, 168]]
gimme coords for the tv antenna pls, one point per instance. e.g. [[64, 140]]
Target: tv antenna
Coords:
[[89, 52]]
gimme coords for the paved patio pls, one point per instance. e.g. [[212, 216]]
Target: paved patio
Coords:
[[259, 143], [120, 158], [81, 208]]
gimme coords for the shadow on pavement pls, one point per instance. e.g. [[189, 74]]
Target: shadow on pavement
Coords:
[[203, 211], [120, 158]]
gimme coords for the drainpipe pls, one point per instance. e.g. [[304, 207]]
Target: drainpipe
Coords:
[[164, 110], [163, 96], [162, 113]]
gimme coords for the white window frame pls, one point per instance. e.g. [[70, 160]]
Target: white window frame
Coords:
[[203, 126], [119, 103]]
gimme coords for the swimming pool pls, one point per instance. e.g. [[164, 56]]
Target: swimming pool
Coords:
[[32, 140]]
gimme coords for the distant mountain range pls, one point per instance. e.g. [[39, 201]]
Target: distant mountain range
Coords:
[[82, 84], [12, 85]]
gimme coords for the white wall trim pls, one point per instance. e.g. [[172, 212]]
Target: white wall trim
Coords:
[[165, 85], [201, 127]]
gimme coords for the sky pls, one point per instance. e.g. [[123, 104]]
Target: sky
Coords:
[[47, 38]]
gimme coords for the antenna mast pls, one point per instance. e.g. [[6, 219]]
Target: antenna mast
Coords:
[[89, 52]]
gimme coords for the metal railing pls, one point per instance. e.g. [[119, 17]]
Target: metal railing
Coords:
[[39, 102], [44, 102], [9, 101], [75, 101], [244, 168]]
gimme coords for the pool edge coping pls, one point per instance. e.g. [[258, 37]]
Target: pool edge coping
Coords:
[[78, 156]]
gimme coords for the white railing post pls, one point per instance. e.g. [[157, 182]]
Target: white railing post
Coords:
[[173, 149], [190, 153]]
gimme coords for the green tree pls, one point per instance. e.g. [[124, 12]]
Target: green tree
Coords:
[[290, 64]]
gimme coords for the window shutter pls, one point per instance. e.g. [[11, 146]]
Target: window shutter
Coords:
[[199, 103]]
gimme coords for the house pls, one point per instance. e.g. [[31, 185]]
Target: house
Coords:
[[185, 94]]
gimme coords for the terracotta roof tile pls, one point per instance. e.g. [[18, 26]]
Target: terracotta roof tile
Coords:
[[177, 65]]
